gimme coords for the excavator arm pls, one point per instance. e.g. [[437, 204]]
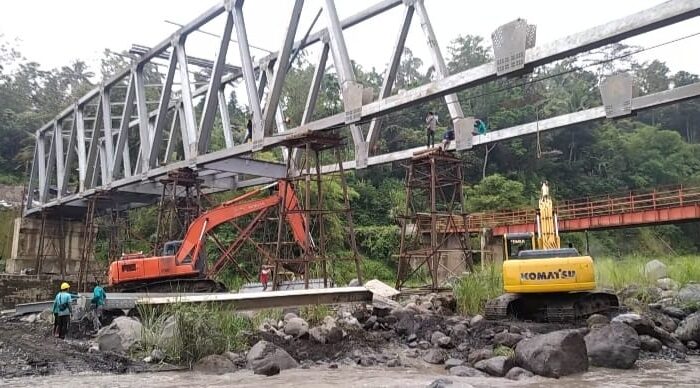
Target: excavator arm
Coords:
[[193, 241], [547, 228]]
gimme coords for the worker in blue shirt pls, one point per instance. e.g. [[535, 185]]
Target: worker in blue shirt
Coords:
[[447, 138], [98, 301], [62, 309]]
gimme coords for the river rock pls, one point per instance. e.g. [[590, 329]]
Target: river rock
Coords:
[[435, 356], [655, 270], [296, 326], [667, 284], [689, 294], [215, 364], [46, 316], [663, 321], [692, 345], [264, 356], [31, 318], [518, 373], [689, 328], [649, 343], [495, 366], [507, 339], [613, 346], [452, 362], [440, 383], [475, 320], [596, 320], [459, 332], [644, 325], [120, 335], [555, 354], [478, 355], [466, 371], [406, 324], [674, 312], [435, 337]]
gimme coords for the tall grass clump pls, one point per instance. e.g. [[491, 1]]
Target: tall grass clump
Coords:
[[201, 330], [314, 314], [474, 290], [685, 269], [623, 272]]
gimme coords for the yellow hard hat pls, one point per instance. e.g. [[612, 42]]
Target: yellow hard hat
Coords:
[[65, 286]]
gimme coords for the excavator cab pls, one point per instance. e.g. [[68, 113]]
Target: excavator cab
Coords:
[[514, 243], [170, 248]]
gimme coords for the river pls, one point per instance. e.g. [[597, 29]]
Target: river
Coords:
[[649, 373]]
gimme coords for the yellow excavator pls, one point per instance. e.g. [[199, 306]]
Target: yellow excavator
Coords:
[[542, 280]]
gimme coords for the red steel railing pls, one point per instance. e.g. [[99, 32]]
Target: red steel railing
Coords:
[[663, 198]]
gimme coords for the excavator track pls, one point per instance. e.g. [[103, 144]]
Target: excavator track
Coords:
[[551, 307], [195, 285]]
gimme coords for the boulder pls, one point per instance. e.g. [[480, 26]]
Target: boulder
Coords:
[[327, 335], [435, 356], [167, 334], [264, 356], [667, 284], [596, 320], [518, 373], [655, 270], [31, 318], [689, 328], [689, 294], [555, 354], [120, 335], [289, 316], [649, 343], [466, 371], [475, 320], [674, 312], [478, 355], [435, 337], [445, 342], [393, 363], [459, 332], [214, 364], [663, 321], [507, 339], [354, 283], [406, 324], [692, 345], [495, 366], [452, 362], [296, 327], [644, 325], [613, 346], [440, 383], [46, 316], [157, 355], [237, 359]]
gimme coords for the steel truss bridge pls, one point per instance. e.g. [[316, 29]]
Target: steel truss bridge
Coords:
[[169, 134]]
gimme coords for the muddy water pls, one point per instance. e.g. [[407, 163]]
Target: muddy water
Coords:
[[649, 373]]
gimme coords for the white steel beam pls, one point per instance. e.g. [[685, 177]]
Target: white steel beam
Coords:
[[280, 68], [142, 112], [58, 145], [315, 87], [187, 119], [70, 155], [211, 99], [80, 137], [162, 113], [121, 151]]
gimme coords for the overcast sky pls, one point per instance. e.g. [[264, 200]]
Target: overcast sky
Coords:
[[55, 33]]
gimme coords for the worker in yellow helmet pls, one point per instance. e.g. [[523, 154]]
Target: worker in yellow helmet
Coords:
[[62, 310]]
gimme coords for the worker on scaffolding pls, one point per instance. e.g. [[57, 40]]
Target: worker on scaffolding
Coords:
[[62, 310], [431, 122], [447, 138], [249, 129], [97, 303]]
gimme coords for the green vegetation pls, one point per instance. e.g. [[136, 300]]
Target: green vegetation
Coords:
[[314, 314], [501, 350], [201, 330], [472, 291]]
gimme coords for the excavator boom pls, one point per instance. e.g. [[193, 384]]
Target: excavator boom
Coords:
[[187, 261]]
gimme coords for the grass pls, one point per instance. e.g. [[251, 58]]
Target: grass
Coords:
[[501, 350], [202, 330], [620, 273], [473, 290], [314, 314]]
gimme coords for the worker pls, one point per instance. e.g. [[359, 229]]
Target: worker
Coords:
[[98, 301], [480, 128], [447, 138], [62, 309], [431, 123], [249, 135], [264, 276]]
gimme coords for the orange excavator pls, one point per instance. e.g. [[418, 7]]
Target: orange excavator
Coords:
[[182, 264]]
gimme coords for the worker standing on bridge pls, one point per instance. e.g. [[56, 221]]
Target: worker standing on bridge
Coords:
[[265, 276], [431, 123], [98, 301], [62, 309], [447, 138]]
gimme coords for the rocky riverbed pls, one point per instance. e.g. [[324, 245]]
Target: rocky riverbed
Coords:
[[423, 334]]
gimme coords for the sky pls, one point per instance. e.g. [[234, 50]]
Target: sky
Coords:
[[54, 33]]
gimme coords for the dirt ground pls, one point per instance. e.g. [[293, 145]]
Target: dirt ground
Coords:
[[29, 349]]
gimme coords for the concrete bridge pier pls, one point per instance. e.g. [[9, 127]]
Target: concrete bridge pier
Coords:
[[47, 246]]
